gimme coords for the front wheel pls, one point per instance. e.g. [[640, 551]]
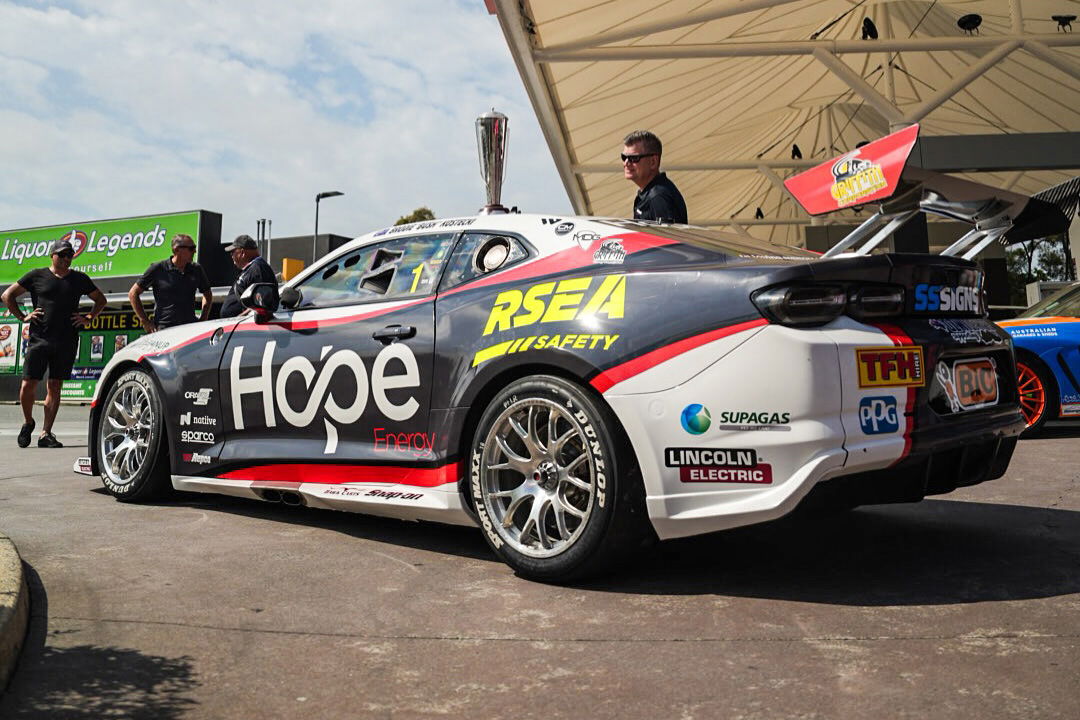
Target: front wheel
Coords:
[[556, 498], [131, 444], [1038, 394]]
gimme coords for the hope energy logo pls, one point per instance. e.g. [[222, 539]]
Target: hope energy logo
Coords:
[[319, 393]]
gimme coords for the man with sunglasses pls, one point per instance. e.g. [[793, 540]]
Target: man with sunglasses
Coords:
[[174, 280], [657, 197], [54, 325]]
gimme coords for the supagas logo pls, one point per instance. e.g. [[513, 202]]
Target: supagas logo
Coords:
[[319, 394], [695, 419]]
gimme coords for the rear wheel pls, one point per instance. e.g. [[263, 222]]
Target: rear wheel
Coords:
[[555, 498], [1038, 393], [132, 448]]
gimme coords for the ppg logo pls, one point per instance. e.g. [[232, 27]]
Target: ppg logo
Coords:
[[877, 415]]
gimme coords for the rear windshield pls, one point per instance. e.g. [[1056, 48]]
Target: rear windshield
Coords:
[[1063, 303], [722, 242]]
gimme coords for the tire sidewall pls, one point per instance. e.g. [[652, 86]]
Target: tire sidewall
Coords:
[[594, 421], [142, 479]]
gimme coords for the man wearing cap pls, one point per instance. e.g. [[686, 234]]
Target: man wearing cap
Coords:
[[174, 280], [657, 197], [55, 292], [244, 252]]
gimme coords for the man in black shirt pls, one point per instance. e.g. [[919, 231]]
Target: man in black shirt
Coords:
[[174, 280], [253, 269], [54, 337], [657, 197]]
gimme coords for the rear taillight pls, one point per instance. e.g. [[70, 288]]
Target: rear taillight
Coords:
[[810, 305], [802, 305], [875, 301]]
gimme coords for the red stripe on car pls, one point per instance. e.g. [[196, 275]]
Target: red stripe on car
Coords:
[[336, 474], [630, 368], [899, 338]]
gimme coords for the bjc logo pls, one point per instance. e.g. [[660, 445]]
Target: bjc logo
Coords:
[[877, 415]]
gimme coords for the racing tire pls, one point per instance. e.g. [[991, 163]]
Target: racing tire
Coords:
[[132, 449], [553, 482], [1038, 393]]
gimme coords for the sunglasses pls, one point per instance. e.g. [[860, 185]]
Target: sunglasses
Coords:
[[634, 159], [67, 255]]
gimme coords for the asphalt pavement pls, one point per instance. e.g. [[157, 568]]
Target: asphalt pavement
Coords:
[[215, 607]]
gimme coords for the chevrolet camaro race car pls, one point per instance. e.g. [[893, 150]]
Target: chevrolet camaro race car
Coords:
[[1047, 341], [577, 387]]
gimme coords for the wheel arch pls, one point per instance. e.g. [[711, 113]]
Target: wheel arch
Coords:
[[105, 384], [1040, 365], [482, 396]]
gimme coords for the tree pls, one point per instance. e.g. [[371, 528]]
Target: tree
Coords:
[[420, 213], [1034, 261]]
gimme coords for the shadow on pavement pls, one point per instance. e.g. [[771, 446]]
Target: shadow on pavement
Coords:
[[931, 553], [87, 681]]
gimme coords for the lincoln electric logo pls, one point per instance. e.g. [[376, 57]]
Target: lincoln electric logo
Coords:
[[316, 383], [855, 178]]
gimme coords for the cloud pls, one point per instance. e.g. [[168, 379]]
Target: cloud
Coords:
[[122, 107]]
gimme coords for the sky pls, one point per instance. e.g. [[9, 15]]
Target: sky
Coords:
[[116, 108]]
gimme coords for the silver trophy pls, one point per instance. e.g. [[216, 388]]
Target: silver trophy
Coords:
[[491, 142]]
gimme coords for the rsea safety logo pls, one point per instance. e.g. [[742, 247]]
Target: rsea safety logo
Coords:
[[877, 415], [947, 298], [695, 419], [890, 366], [728, 465]]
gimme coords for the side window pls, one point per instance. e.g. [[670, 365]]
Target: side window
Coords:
[[480, 253], [402, 267]]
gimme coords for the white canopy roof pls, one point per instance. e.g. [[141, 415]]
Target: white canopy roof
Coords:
[[730, 86]]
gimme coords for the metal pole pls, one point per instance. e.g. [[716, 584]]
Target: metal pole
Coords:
[[315, 237], [269, 224]]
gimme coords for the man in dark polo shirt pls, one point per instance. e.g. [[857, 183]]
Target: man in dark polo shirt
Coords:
[[657, 197], [174, 281], [55, 292], [244, 252]]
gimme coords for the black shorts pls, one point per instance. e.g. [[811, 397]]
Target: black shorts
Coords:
[[56, 356]]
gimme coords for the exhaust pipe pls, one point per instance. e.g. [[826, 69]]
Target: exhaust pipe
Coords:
[[491, 142], [271, 495], [291, 498]]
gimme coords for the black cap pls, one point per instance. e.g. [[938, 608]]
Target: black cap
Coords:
[[245, 242], [61, 246]]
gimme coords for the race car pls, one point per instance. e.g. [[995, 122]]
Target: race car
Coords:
[[578, 387], [1047, 341]]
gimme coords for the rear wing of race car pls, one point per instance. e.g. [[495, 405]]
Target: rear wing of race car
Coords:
[[878, 172]]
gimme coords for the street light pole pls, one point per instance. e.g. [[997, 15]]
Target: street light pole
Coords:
[[315, 237]]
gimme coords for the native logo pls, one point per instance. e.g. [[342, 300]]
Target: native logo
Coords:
[[855, 178], [877, 415], [695, 419]]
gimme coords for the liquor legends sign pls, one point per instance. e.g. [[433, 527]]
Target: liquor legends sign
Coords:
[[103, 248]]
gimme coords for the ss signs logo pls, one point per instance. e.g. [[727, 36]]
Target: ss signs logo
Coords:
[[320, 395]]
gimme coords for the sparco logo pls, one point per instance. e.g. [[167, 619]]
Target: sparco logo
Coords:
[[318, 391], [197, 436], [201, 396]]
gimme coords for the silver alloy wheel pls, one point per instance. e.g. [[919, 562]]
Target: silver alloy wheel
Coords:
[[125, 434], [538, 477]]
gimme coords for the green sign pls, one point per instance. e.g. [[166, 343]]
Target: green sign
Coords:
[[10, 344], [103, 248]]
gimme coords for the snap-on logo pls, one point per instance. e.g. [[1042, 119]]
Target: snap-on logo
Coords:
[[319, 393]]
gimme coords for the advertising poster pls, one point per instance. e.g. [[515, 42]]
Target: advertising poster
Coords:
[[119, 342], [109, 333], [103, 248], [9, 345], [97, 348]]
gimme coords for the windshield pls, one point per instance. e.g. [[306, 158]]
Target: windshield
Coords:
[[1064, 303]]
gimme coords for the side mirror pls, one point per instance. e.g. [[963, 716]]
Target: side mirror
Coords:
[[291, 298], [262, 298]]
